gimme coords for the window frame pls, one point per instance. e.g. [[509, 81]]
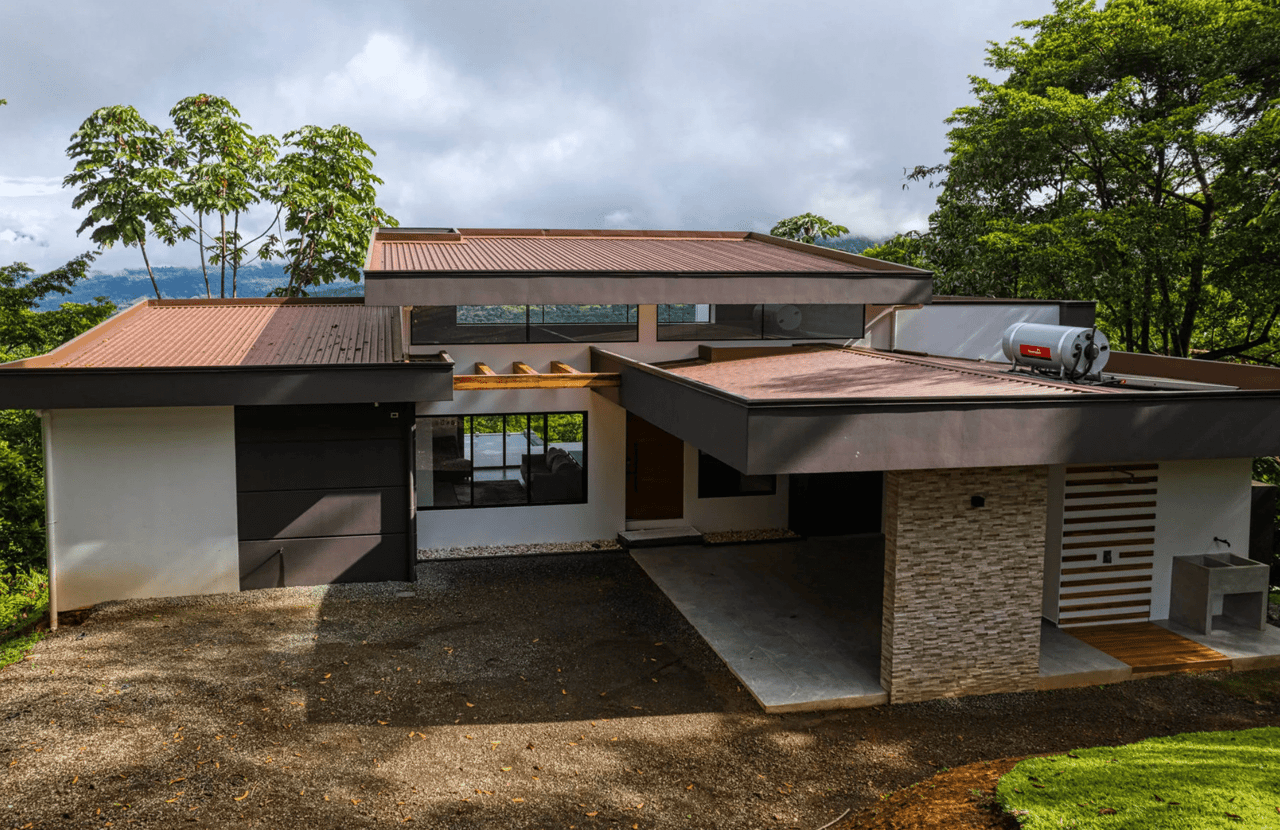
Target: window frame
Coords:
[[468, 423], [698, 328], [530, 326]]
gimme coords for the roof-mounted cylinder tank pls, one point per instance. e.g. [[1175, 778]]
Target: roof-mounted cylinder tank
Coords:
[[1065, 351]]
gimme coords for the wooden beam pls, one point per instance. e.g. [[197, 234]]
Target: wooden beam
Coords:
[[559, 368], [521, 368], [483, 369], [578, 380]]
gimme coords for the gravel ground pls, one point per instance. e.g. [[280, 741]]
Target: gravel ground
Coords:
[[530, 692], [481, 551]]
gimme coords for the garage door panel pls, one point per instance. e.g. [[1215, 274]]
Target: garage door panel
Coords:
[[319, 561], [273, 424], [291, 514], [321, 464]]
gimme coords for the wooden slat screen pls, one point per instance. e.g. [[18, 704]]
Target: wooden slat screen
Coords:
[[1108, 508]]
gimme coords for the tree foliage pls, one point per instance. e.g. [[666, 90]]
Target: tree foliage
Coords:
[[25, 332], [224, 170], [121, 174], [317, 187], [807, 227], [1130, 155], [325, 188]]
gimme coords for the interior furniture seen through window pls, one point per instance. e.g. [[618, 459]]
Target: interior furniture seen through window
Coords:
[[717, 479], [501, 460], [699, 321], [431, 325]]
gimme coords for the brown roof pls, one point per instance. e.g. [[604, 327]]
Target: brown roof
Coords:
[[245, 332], [824, 372], [690, 252]]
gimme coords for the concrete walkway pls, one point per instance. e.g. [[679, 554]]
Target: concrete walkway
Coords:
[[1247, 647], [797, 622]]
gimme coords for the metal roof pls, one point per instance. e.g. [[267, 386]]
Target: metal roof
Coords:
[[692, 252], [244, 332], [835, 373]]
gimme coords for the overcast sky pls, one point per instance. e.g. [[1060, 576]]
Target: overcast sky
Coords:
[[676, 115]]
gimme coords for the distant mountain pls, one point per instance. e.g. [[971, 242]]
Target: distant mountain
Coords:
[[852, 244], [126, 287]]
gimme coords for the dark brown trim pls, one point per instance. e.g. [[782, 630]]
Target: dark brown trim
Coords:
[[761, 437], [401, 288], [224, 385]]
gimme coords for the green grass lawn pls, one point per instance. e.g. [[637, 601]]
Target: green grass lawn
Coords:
[[1195, 781], [24, 599]]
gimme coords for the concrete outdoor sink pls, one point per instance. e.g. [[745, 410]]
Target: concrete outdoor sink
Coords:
[[1200, 582]]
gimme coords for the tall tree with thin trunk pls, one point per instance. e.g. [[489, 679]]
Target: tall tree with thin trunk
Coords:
[[122, 178], [224, 171]]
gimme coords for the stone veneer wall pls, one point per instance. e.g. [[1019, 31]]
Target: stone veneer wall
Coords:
[[963, 585]]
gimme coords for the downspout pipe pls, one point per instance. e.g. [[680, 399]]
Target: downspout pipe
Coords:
[[51, 523]]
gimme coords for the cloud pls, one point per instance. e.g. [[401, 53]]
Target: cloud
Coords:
[[720, 114]]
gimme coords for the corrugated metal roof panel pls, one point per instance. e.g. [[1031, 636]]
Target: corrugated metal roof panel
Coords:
[[232, 333], [691, 254], [843, 373]]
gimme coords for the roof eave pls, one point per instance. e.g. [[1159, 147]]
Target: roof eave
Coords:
[[112, 387]]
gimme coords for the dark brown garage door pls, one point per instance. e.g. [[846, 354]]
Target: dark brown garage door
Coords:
[[323, 494]]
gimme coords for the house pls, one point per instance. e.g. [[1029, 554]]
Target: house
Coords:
[[499, 386]]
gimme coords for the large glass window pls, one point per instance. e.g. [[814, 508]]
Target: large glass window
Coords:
[[501, 460], [690, 321], [448, 324]]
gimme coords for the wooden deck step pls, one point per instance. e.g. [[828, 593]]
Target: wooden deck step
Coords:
[[1146, 647]]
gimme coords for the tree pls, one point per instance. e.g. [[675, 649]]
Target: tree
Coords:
[[122, 177], [807, 227], [326, 190], [139, 180], [25, 332], [224, 170], [1128, 156]]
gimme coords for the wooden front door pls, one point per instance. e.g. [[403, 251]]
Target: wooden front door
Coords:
[[655, 472]]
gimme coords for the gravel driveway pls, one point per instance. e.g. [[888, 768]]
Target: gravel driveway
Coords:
[[546, 691]]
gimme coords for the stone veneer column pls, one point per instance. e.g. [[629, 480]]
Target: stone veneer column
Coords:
[[962, 584]]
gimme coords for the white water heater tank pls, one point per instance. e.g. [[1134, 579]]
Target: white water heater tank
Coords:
[[1066, 351]]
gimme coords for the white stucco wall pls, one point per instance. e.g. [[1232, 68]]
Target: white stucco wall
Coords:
[[1198, 500], [733, 512], [601, 517], [959, 330], [142, 503]]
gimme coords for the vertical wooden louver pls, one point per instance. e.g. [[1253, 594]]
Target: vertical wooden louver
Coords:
[[1109, 512]]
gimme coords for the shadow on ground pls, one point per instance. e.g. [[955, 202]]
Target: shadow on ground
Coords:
[[561, 638], [303, 707]]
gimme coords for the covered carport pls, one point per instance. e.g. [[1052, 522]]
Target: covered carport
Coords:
[[965, 449]]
